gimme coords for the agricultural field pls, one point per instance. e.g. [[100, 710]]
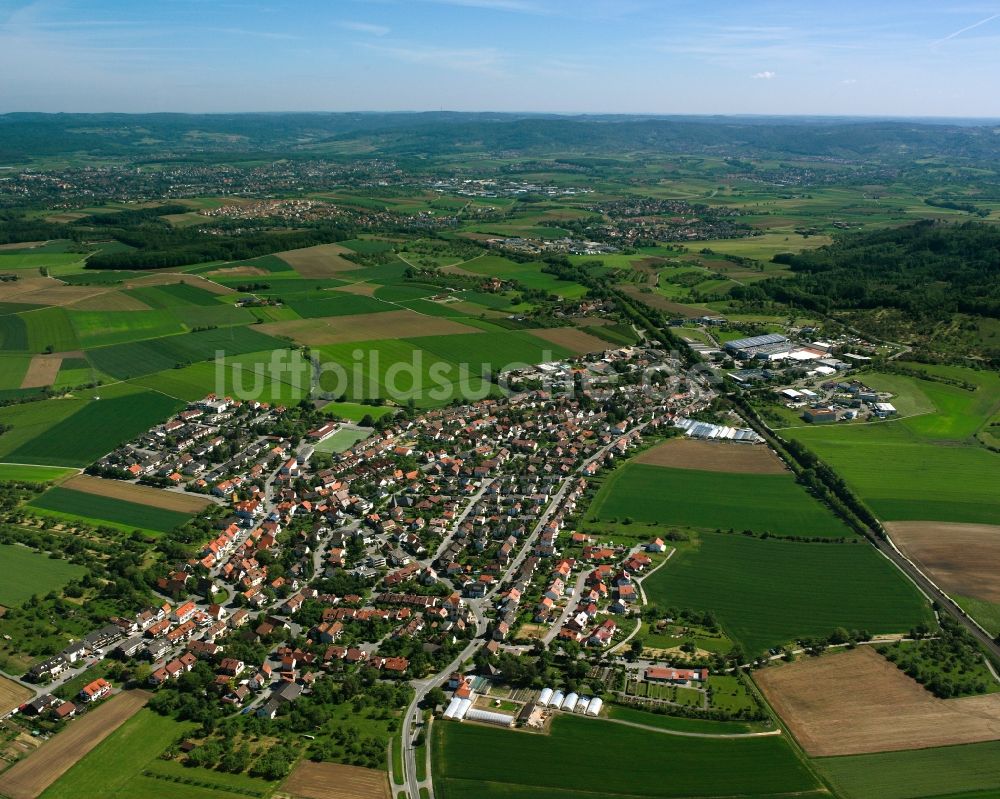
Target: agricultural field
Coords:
[[713, 456], [12, 695], [959, 557], [33, 474], [477, 761], [772, 503], [70, 504], [88, 431], [127, 764], [32, 776], [27, 573], [140, 494], [140, 358], [930, 466], [766, 593], [400, 323], [310, 780], [971, 771], [857, 702]]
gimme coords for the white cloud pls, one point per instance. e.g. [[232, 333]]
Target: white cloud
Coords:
[[849, 81], [765, 75], [365, 27]]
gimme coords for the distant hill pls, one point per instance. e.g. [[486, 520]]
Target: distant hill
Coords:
[[31, 135]]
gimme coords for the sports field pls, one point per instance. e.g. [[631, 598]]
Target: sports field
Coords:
[[30, 777], [593, 758], [96, 509], [766, 593], [773, 503], [27, 572], [857, 702]]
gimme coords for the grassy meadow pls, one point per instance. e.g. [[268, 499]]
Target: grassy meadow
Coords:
[[478, 761], [27, 572], [69, 504], [714, 500], [766, 593]]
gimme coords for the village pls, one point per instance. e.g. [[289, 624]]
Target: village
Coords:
[[436, 538]]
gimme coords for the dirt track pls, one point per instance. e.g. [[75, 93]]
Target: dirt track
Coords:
[[141, 495], [713, 456], [29, 777], [856, 702], [961, 558], [333, 781]]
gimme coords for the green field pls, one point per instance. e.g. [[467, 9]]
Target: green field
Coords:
[[27, 572], [140, 358], [50, 329], [591, 758], [126, 765], [31, 420], [929, 465], [93, 430], [67, 503], [355, 411], [32, 474], [399, 370], [714, 500], [766, 593], [340, 441], [679, 723], [952, 771]]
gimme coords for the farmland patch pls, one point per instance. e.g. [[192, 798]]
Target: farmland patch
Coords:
[[713, 456], [143, 495], [29, 777], [310, 780], [27, 573], [766, 593], [961, 558], [857, 702], [364, 327], [576, 341]]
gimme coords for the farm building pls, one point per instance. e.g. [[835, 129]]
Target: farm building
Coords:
[[490, 717], [595, 706], [557, 699], [706, 430], [545, 696], [583, 704], [678, 676], [569, 703]]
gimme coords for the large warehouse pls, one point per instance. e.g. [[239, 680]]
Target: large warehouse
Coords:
[[768, 345]]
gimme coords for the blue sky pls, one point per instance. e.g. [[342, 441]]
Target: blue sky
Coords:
[[887, 57]]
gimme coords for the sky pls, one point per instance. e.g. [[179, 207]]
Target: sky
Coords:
[[872, 58]]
